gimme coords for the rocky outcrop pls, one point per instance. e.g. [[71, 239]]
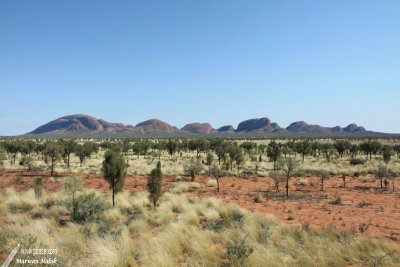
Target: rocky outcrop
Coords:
[[226, 129], [198, 128], [84, 124], [156, 126]]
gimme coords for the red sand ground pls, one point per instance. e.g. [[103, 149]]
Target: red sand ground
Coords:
[[380, 215]]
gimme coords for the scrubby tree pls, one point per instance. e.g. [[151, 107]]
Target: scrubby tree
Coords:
[[316, 148], [136, 149], [114, 171], [370, 147], [145, 147], [381, 172], [193, 168], [342, 146], [72, 185], [69, 148], [396, 148], [304, 148], [220, 148], [171, 146], [159, 146], [278, 178], [262, 148], [13, 148], [126, 145], [2, 157], [198, 145], [387, 152], [274, 152], [288, 167], [235, 154], [239, 161], [30, 147], [52, 151], [328, 150], [324, 176], [209, 161], [354, 148], [154, 184], [218, 173], [248, 146], [27, 162], [344, 179], [85, 151], [286, 150]]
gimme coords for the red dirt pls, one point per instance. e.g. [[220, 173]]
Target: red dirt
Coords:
[[379, 215]]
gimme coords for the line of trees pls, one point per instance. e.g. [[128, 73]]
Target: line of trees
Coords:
[[227, 152], [51, 152]]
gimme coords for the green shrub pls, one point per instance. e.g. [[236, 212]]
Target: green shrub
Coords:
[[259, 199], [237, 252], [356, 161], [89, 207], [38, 187]]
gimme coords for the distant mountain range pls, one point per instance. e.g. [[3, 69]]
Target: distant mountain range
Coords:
[[84, 125]]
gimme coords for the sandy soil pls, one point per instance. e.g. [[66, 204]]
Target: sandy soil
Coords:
[[364, 206]]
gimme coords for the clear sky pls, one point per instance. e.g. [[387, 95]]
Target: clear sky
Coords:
[[324, 62]]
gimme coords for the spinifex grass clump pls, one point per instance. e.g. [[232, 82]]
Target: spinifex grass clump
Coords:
[[183, 230], [38, 187]]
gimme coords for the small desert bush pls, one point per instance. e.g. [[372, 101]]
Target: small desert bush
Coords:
[[89, 207], [182, 187], [183, 230], [212, 183], [356, 162], [304, 182], [259, 199]]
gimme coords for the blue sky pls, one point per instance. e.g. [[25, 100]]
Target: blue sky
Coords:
[[324, 62]]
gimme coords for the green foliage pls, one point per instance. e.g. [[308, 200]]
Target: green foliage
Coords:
[[154, 184], [370, 147], [387, 152], [2, 157], [38, 187], [248, 146], [198, 145], [396, 148], [27, 162], [288, 167], [12, 147], [89, 207], [171, 146], [235, 155], [52, 151], [193, 168], [69, 146], [70, 186], [114, 171], [274, 152], [303, 147], [220, 148], [209, 161], [218, 173], [356, 161], [238, 251], [324, 176], [85, 151], [382, 172], [342, 146]]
